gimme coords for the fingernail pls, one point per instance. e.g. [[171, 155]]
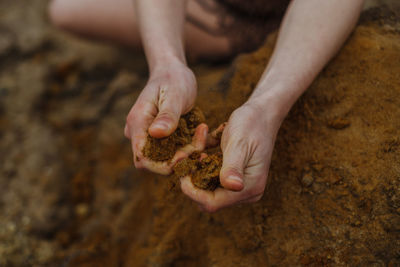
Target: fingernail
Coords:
[[235, 179], [161, 125]]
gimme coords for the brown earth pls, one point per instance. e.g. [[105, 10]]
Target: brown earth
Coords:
[[204, 172], [70, 195], [163, 149]]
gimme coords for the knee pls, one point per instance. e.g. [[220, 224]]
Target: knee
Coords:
[[59, 13]]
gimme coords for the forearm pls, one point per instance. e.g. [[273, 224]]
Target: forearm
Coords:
[[161, 27], [311, 33]]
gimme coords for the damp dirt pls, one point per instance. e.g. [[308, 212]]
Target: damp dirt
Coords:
[[203, 171], [202, 168], [332, 196], [163, 149]]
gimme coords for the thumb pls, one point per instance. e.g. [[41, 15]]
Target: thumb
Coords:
[[166, 120], [231, 175]]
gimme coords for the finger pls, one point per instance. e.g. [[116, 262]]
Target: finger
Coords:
[[137, 146], [126, 132], [233, 164], [203, 156], [214, 138], [212, 201], [168, 116], [252, 199], [162, 167], [138, 121], [200, 137], [198, 144], [202, 197]]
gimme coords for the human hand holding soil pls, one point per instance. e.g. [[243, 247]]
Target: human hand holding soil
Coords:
[[170, 92], [305, 44], [247, 144]]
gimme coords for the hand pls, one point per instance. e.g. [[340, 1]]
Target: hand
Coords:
[[247, 144], [170, 92]]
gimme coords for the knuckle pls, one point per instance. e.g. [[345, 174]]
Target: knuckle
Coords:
[[137, 110], [232, 169], [168, 115], [165, 113], [131, 117]]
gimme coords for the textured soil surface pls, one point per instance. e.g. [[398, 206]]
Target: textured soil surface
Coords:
[[69, 194], [163, 149], [204, 172]]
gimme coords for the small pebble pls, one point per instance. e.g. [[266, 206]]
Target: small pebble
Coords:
[[82, 209], [307, 180], [318, 167], [11, 227]]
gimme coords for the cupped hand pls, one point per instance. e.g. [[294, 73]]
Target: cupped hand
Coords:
[[169, 93], [247, 144]]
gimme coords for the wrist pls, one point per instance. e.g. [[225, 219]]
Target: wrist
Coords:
[[164, 58], [276, 94], [275, 102], [166, 63]]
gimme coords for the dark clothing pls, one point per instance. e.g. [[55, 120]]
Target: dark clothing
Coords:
[[245, 23], [259, 8]]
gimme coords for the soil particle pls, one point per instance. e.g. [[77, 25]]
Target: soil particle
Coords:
[[307, 180], [338, 123], [163, 149]]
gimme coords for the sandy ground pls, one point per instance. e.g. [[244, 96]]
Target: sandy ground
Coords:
[[69, 193]]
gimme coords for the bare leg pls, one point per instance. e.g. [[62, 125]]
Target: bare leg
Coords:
[[116, 21]]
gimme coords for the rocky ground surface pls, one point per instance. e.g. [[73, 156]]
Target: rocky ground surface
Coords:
[[70, 195]]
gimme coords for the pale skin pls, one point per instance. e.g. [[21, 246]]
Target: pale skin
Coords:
[[310, 35]]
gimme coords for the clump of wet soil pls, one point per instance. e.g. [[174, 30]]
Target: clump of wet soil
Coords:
[[204, 172], [163, 149]]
